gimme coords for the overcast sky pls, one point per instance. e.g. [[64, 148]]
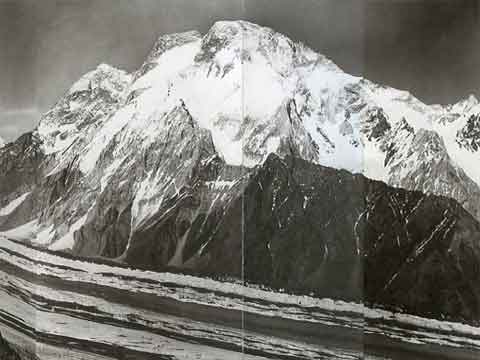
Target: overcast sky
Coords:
[[426, 46]]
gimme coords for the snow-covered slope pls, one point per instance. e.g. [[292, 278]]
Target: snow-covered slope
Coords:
[[2, 142], [130, 143]]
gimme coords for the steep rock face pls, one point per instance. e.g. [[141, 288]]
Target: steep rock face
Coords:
[[307, 228], [45, 162], [21, 164], [420, 161], [376, 125], [423, 261], [311, 228], [144, 191], [192, 222], [469, 136], [295, 217]]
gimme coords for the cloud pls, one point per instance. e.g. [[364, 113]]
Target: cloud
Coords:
[[15, 122]]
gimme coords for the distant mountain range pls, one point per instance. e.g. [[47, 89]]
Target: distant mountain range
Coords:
[[242, 153]]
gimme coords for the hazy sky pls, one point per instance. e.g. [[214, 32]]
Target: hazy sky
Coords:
[[426, 46]]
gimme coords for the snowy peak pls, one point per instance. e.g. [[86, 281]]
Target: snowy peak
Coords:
[[104, 78], [229, 42], [70, 124], [222, 35], [105, 84], [163, 44], [169, 41]]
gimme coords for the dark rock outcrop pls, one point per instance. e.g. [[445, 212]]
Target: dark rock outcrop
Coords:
[[313, 229], [7, 352], [469, 136], [21, 165]]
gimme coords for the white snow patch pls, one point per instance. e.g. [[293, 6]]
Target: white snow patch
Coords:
[[111, 127], [44, 236], [220, 184], [67, 241], [25, 232], [12, 205], [373, 162], [462, 157]]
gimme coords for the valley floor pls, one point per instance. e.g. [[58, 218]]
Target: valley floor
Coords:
[[58, 307]]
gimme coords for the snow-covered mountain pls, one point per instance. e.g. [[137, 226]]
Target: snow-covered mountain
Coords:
[[2, 142], [257, 92], [149, 167], [254, 92]]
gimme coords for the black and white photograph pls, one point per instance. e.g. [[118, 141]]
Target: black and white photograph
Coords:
[[239, 179]]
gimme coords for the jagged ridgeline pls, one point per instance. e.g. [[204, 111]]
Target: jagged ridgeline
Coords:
[[240, 152]]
